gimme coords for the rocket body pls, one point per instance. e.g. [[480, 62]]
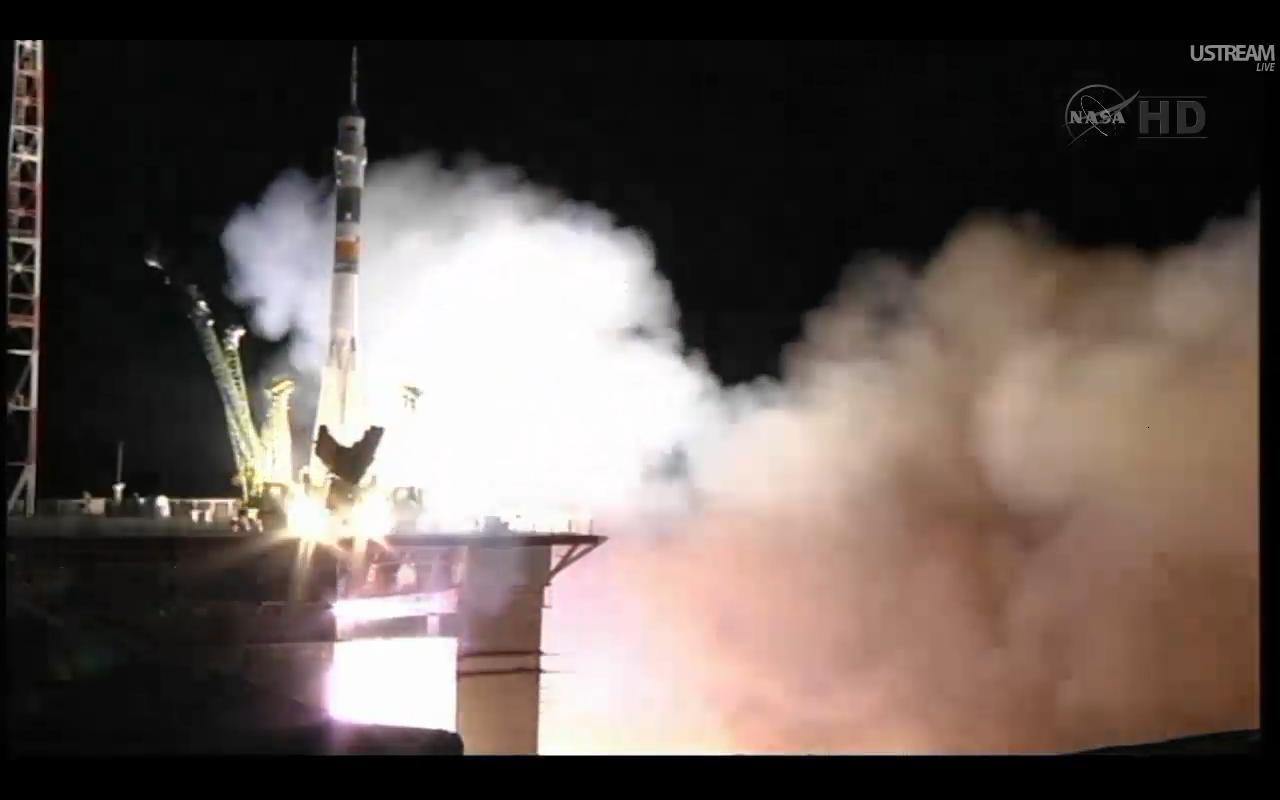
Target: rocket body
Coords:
[[349, 162], [341, 405]]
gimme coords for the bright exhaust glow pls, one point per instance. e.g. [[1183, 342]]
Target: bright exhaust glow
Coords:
[[372, 518], [308, 519], [406, 682], [351, 610]]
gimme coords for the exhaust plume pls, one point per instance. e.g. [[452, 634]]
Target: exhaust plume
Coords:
[[541, 335], [1006, 502], [1011, 505]]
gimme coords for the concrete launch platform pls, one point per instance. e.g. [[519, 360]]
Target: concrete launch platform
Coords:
[[265, 609]]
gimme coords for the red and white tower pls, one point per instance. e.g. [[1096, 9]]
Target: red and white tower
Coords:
[[22, 286]]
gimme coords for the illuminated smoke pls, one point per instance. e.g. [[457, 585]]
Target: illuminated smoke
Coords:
[[540, 334], [1010, 504]]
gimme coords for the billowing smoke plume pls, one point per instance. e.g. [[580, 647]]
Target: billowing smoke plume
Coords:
[[1009, 505], [1006, 503], [540, 334]]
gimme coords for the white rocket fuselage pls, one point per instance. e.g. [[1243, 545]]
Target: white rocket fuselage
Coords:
[[341, 405]]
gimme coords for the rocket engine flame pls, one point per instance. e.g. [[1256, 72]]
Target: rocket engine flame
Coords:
[[1009, 504], [308, 519]]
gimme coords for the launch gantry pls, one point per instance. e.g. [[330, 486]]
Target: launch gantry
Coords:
[[262, 457], [22, 295], [235, 403], [277, 437]]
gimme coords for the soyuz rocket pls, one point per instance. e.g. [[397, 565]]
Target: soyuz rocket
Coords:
[[341, 405]]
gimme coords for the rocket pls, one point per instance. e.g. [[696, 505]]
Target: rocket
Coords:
[[341, 406]]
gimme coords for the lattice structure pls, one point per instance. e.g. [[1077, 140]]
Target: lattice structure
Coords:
[[243, 410], [245, 444], [277, 436], [22, 285]]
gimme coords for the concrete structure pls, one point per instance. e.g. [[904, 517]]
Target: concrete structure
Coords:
[[495, 612], [198, 606], [143, 646], [202, 598]]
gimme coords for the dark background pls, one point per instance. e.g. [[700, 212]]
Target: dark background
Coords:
[[758, 169]]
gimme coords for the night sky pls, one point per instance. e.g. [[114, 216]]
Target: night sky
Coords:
[[758, 169]]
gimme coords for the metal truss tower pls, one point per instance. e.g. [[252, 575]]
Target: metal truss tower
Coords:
[[22, 285]]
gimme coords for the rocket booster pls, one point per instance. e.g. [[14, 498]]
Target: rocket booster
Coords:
[[349, 161], [340, 406]]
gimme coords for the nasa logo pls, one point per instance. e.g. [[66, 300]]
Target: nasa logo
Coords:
[[1096, 109]]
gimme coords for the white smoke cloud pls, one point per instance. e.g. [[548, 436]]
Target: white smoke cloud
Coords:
[[1010, 504], [281, 262], [541, 335]]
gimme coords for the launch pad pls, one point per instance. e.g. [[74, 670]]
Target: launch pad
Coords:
[[276, 612], [263, 588]]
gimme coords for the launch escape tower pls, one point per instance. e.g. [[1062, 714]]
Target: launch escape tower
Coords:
[[22, 284]]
